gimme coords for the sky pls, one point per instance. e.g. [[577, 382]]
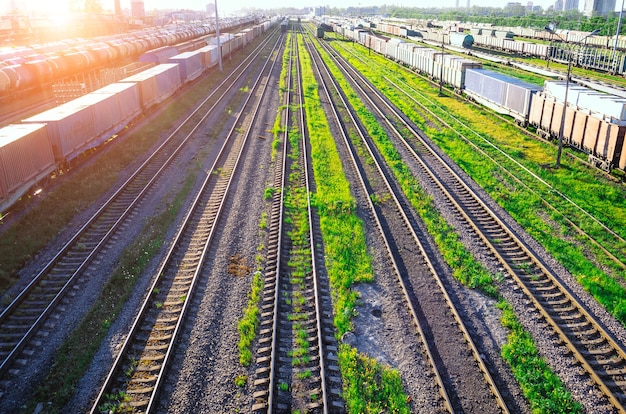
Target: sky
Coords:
[[228, 6]]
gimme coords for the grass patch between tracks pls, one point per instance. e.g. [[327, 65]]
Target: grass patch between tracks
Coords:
[[76, 353], [536, 205], [368, 387], [466, 268]]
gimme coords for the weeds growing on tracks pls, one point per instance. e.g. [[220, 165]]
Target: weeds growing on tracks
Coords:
[[540, 209], [248, 324], [76, 353], [465, 267], [348, 262]]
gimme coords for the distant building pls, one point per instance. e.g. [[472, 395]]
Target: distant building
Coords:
[[598, 7], [137, 8], [565, 5], [515, 9]]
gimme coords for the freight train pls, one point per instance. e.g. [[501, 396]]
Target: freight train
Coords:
[[24, 68], [595, 122], [565, 45], [37, 147]]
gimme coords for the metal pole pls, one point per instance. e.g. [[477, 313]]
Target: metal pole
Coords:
[[569, 71], [549, 48], [619, 26], [441, 69], [217, 33], [560, 147]]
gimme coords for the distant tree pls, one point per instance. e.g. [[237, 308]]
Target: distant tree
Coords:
[[90, 6], [93, 6], [75, 5]]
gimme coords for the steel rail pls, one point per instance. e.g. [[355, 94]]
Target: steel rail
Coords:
[[548, 316], [108, 204], [173, 250], [475, 352]]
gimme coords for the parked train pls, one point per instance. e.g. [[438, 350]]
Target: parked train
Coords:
[[27, 67], [592, 54], [37, 147], [595, 122], [486, 29]]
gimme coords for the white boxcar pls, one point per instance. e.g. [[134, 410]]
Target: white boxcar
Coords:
[[502, 93]]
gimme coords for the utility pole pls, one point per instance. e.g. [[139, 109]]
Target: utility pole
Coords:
[[217, 33], [619, 27], [441, 68], [551, 30]]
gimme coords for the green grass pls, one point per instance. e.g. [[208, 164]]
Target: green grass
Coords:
[[296, 211], [370, 387], [250, 321], [76, 353], [376, 388], [540, 392], [541, 386]]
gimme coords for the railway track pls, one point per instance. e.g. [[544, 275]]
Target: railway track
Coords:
[[294, 369], [463, 386], [594, 349], [613, 241], [613, 244], [140, 368], [28, 312]]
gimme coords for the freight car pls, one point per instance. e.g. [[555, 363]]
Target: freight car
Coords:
[[595, 122], [26, 158], [504, 94], [320, 32], [32, 150], [426, 60], [28, 67], [156, 84], [461, 40]]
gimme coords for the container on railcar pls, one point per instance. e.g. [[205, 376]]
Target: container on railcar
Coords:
[[70, 127], [127, 100], [461, 40], [26, 158], [156, 84], [160, 55], [503, 93], [209, 55], [190, 65], [106, 116]]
